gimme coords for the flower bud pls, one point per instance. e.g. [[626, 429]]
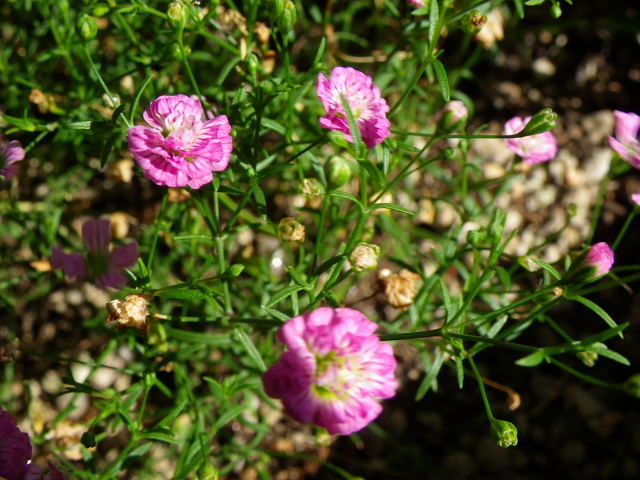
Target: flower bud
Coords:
[[632, 385], [364, 257], [556, 11], [600, 256], [100, 10], [290, 230], [400, 288], [252, 65], [177, 11], [87, 27], [208, 472], [288, 15], [505, 433], [541, 122], [157, 336], [311, 187], [453, 116], [588, 358], [338, 171], [473, 21], [88, 439]]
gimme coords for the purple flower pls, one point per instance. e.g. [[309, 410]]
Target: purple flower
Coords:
[[10, 153], [335, 370], [15, 448], [99, 264], [181, 146], [538, 148], [600, 256], [368, 107], [626, 141], [38, 472]]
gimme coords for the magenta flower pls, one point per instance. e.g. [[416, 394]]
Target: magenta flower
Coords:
[[15, 448], [600, 256], [10, 153], [417, 3], [181, 146], [39, 472], [626, 141], [365, 102], [635, 198], [335, 370], [99, 264], [533, 149]]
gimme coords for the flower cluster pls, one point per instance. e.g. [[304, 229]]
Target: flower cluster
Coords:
[[626, 142], [346, 84], [335, 370], [15, 453], [99, 264], [180, 146], [10, 153], [533, 149]]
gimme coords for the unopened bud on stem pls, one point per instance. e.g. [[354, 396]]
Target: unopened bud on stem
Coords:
[[505, 433]]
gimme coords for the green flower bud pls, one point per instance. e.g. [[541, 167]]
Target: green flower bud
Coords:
[[556, 11], [449, 153], [364, 257], [277, 7], [473, 21], [100, 10], [290, 230], [252, 65], [157, 336], [177, 11], [588, 358], [505, 433], [87, 27], [632, 385], [476, 238], [311, 187], [289, 16], [541, 122], [208, 472], [338, 171]]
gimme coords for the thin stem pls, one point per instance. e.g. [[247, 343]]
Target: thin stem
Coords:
[[483, 393], [624, 228]]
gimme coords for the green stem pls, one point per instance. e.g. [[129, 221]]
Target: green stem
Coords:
[[221, 269], [624, 228], [185, 61], [483, 392], [156, 230]]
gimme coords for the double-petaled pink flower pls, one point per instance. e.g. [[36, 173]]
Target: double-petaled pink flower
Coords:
[[363, 97], [626, 141], [99, 265], [533, 149], [10, 153], [181, 146], [15, 453], [335, 370], [600, 256]]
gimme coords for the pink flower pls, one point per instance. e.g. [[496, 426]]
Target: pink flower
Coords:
[[626, 141], [15, 448], [600, 256], [365, 102], [10, 153], [635, 198], [99, 264], [335, 370], [181, 146], [38, 472], [417, 3], [534, 148]]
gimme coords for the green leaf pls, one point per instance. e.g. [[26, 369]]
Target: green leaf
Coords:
[[273, 125], [250, 348], [532, 360], [276, 314], [183, 294], [504, 276], [519, 9], [202, 338], [392, 206], [443, 81], [227, 416], [429, 381], [549, 268], [446, 300], [533, 3], [434, 22], [597, 309], [346, 195], [602, 350], [459, 371], [354, 129], [284, 293], [159, 436]]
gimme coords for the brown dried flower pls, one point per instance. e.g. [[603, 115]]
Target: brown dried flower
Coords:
[[400, 288], [130, 312]]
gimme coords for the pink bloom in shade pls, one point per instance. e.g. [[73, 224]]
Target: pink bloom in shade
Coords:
[[15, 448], [600, 256], [335, 370], [99, 264], [533, 149], [10, 153], [417, 3], [626, 141], [635, 198], [38, 472], [181, 146], [365, 102]]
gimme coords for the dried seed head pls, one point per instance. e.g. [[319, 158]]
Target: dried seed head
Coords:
[[290, 230], [400, 288], [132, 312]]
